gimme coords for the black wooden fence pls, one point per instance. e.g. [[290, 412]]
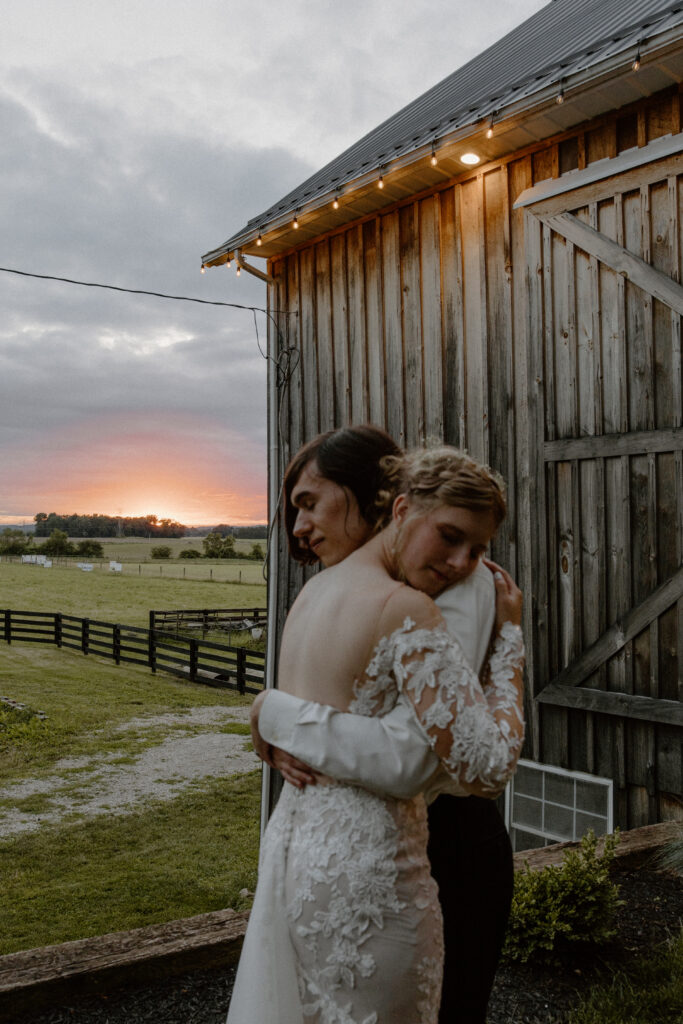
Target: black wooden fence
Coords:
[[201, 661], [206, 619]]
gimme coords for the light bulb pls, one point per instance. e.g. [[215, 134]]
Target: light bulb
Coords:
[[489, 131], [239, 270], [203, 270], [560, 97], [433, 159], [295, 222], [228, 262], [259, 240], [380, 183], [470, 159], [636, 62], [335, 203]]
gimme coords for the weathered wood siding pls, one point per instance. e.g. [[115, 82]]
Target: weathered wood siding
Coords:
[[447, 317]]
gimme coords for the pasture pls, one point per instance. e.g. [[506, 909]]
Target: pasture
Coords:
[[136, 800], [118, 597]]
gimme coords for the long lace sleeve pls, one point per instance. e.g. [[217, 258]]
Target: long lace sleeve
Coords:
[[476, 733]]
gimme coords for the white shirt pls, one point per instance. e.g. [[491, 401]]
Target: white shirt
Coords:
[[388, 754]]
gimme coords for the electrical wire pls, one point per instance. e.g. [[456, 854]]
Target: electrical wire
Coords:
[[131, 291]]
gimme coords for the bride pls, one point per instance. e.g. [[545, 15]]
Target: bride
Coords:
[[346, 926]]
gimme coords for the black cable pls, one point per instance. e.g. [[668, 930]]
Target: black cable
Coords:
[[131, 291]]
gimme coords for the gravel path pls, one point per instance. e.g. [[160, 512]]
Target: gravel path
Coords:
[[91, 786]]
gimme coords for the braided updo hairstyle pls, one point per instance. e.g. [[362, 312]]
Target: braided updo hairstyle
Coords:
[[442, 475], [352, 457]]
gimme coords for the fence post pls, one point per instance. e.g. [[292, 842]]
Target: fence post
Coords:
[[58, 629], [85, 635], [117, 643], [241, 670], [194, 658], [152, 621], [8, 625], [151, 648]]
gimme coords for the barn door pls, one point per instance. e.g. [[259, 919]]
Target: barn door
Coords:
[[605, 303]]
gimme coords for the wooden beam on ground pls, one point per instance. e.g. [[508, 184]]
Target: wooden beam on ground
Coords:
[[52, 975], [635, 848]]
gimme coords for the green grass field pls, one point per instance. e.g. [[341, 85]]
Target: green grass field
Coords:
[[82, 875], [117, 598]]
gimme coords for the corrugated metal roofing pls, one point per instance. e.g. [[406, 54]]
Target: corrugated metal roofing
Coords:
[[564, 39]]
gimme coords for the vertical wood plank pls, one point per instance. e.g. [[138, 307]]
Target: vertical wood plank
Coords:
[[374, 327], [499, 360], [430, 248], [393, 341], [340, 330], [411, 323], [519, 178], [327, 412], [452, 317], [537, 497], [358, 341], [309, 353], [474, 289]]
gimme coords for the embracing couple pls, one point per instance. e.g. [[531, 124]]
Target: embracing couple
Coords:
[[400, 682]]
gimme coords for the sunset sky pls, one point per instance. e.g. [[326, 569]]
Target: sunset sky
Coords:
[[137, 135]]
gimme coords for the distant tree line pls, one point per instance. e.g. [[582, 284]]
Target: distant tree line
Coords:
[[107, 526], [58, 545], [257, 532]]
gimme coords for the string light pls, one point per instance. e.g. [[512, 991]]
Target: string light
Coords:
[[295, 222], [239, 270], [559, 99], [335, 203], [380, 182], [259, 240], [636, 62], [434, 160], [489, 130], [227, 263], [203, 270]]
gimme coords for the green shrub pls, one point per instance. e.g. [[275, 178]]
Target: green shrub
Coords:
[[89, 549], [163, 551], [190, 553], [571, 902]]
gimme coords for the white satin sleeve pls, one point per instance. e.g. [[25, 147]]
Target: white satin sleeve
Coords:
[[386, 755]]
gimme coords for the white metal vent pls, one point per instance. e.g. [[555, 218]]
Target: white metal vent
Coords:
[[545, 805]]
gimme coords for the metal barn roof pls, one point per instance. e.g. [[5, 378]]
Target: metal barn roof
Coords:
[[583, 49]]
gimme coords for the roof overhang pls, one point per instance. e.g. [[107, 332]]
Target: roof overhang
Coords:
[[526, 119]]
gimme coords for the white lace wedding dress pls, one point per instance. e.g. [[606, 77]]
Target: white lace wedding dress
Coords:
[[346, 925]]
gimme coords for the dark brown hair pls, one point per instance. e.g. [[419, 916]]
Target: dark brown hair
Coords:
[[351, 457]]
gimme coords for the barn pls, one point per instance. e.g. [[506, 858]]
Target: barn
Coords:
[[498, 265]]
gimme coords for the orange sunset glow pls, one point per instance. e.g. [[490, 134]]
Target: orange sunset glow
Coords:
[[194, 480]]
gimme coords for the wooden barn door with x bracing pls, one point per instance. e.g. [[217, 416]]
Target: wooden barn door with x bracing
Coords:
[[605, 305]]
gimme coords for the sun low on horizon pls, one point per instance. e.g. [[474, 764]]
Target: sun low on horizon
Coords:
[[138, 474]]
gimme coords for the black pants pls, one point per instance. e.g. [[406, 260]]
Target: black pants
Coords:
[[471, 857]]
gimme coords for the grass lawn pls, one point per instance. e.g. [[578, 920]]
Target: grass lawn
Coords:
[[87, 876], [120, 598], [85, 699], [169, 860]]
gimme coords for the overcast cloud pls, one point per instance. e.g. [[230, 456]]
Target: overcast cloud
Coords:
[[135, 137]]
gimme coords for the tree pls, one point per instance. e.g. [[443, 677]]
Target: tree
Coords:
[[162, 551], [57, 545], [256, 553], [14, 542], [216, 546], [89, 549]]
